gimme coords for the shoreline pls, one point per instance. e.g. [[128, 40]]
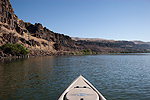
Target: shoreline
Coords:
[[10, 57]]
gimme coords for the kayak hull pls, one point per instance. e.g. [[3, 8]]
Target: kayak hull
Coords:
[[81, 89]]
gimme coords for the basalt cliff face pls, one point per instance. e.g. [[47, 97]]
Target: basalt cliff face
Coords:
[[34, 37], [41, 41]]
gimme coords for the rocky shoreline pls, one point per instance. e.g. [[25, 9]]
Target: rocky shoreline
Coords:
[[43, 53], [35, 53]]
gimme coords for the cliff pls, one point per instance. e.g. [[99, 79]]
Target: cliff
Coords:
[[41, 41], [34, 37]]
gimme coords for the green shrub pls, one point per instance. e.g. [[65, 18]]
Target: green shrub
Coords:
[[113, 52], [14, 49]]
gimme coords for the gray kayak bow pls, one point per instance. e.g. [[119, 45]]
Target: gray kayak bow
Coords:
[[81, 89]]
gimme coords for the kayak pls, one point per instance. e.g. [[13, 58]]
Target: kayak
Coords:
[[81, 89]]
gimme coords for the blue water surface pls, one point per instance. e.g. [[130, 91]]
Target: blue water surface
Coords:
[[116, 76]]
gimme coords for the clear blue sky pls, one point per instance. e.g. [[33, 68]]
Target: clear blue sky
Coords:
[[107, 19]]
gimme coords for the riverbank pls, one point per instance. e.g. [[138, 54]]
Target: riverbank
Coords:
[[42, 53], [34, 53]]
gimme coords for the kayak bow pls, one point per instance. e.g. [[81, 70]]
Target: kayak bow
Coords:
[[81, 89]]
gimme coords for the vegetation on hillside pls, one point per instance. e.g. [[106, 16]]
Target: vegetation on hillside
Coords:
[[14, 49], [85, 52], [132, 51]]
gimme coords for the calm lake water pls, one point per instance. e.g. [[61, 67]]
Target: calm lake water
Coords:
[[117, 77]]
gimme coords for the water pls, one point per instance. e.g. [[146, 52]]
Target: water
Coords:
[[117, 77]]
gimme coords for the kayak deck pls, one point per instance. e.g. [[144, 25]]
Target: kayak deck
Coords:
[[81, 89]]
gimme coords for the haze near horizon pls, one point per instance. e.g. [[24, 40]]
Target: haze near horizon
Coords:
[[105, 19]]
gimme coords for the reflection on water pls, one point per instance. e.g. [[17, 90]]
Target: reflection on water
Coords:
[[118, 77], [25, 78]]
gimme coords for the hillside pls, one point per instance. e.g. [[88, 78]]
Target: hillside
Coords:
[[117, 46], [34, 37], [42, 41]]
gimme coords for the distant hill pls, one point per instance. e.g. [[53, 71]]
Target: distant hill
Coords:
[[102, 40], [91, 39], [141, 42], [42, 41], [103, 45]]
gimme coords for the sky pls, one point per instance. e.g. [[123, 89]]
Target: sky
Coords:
[[107, 19]]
